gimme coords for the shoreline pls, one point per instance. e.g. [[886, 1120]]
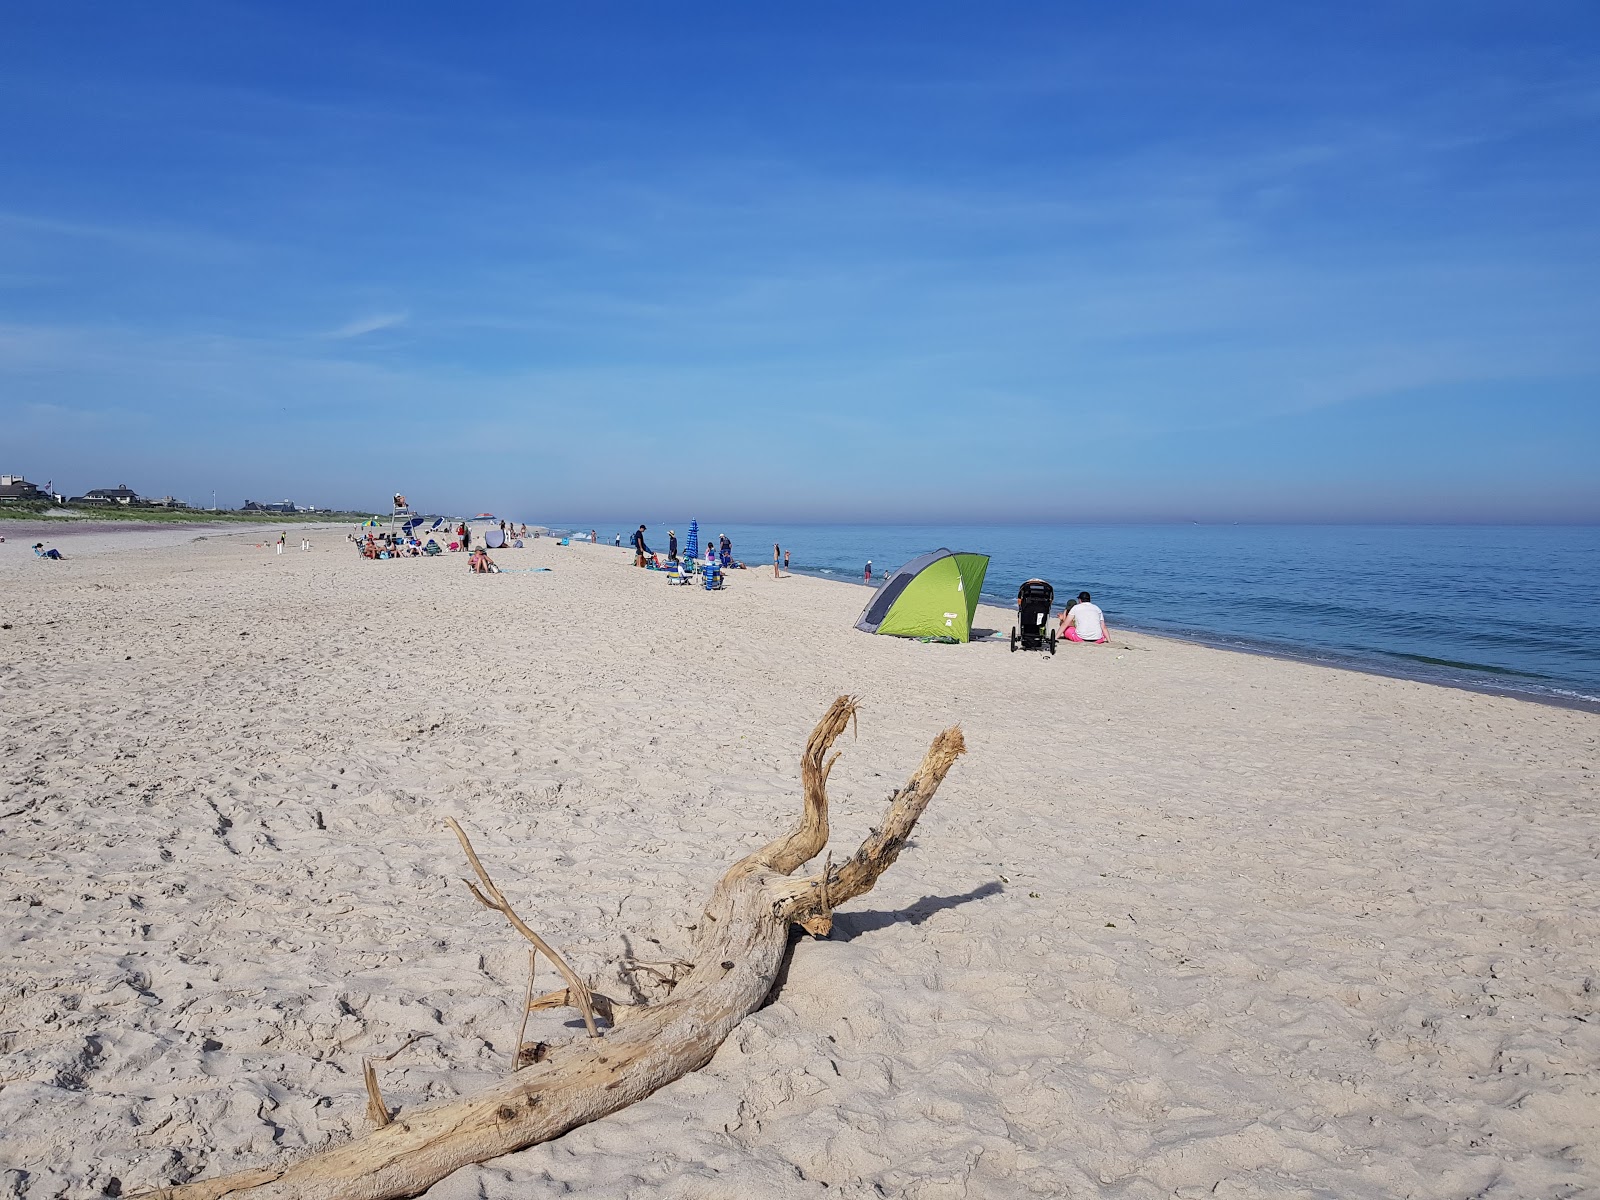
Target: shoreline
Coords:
[[1183, 905], [1311, 656], [1376, 667]]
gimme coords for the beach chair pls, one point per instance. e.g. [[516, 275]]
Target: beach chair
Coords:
[[682, 574], [712, 577]]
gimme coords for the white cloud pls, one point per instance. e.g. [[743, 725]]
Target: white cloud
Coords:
[[362, 326]]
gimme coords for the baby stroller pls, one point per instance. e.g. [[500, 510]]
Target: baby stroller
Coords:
[[1034, 599]]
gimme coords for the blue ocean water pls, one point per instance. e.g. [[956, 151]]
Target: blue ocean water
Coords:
[[1505, 608]]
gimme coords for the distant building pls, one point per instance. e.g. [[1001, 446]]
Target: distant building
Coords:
[[121, 494], [167, 502], [282, 506], [15, 487]]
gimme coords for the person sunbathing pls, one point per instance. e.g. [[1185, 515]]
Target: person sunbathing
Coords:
[[38, 549], [481, 563]]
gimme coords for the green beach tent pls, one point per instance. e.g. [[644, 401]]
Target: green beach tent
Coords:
[[933, 596]]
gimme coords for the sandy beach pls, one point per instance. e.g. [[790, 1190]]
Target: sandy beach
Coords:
[[1183, 922]]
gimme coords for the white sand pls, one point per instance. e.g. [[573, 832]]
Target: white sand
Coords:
[[1182, 923]]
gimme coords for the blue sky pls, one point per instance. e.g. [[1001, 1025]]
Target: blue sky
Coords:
[[853, 262]]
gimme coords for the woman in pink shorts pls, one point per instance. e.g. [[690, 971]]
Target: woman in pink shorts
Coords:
[[1084, 622]]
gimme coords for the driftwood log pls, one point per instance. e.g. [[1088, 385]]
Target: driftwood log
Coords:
[[740, 942]]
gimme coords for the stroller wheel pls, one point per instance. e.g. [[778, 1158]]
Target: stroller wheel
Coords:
[[1013, 641], [1052, 641]]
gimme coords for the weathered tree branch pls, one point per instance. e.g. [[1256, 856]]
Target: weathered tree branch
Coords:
[[492, 897], [739, 947]]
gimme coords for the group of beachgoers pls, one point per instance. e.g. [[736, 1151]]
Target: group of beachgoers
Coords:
[[389, 545], [1081, 621], [719, 553], [396, 545]]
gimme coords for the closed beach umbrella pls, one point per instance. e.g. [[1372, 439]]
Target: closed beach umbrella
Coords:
[[691, 547]]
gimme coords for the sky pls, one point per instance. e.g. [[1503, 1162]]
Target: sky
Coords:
[[889, 262]]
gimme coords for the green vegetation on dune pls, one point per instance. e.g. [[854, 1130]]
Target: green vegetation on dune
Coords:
[[45, 511]]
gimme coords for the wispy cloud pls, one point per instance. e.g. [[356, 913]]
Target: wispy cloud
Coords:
[[362, 326], [132, 238]]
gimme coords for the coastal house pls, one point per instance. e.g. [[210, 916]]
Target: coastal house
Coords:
[[14, 488], [167, 502], [283, 506], [121, 494]]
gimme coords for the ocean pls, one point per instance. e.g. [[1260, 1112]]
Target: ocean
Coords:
[[1512, 609]]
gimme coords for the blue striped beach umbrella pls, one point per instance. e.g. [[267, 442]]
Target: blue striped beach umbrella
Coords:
[[691, 547]]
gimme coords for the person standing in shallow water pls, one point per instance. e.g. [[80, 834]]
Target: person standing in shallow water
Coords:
[[785, 560], [868, 576]]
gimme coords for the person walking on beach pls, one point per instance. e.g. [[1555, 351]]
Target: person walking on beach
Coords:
[[1084, 622], [868, 577], [283, 536], [640, 550], [777, 556]]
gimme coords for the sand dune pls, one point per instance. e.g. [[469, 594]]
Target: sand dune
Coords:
[[1182, 923]]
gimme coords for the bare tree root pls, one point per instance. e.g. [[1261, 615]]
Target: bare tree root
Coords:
[[739, 947]]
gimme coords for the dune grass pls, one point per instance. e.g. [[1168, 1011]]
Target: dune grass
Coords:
[[45, 511]]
